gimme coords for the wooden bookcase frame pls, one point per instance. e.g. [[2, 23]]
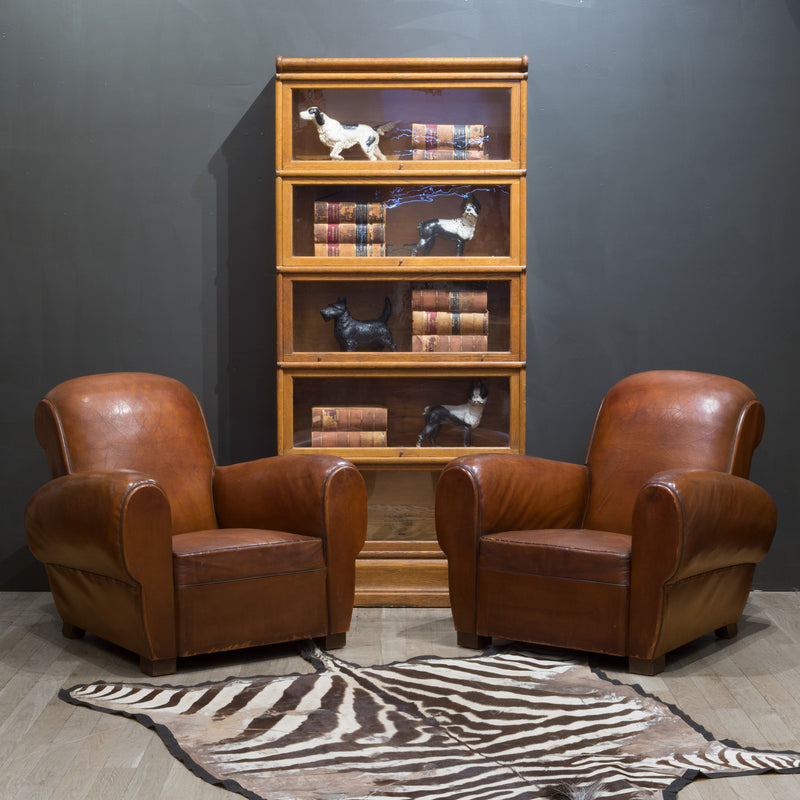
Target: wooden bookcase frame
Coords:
[[402, 570]]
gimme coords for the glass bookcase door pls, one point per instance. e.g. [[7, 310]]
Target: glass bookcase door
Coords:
[[388, 319], [382, 220], [383, 418], [422, 123]]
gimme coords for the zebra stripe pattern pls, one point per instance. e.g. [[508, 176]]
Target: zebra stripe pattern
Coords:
[[514, 724]]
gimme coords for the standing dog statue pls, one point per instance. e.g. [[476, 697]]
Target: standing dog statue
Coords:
[[467, 416], [460, 230], [340, 136], [352, 333]]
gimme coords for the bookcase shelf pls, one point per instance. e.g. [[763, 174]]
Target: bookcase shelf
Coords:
[[374, 230]]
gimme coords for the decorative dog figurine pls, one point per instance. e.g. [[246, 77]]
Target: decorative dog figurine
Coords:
[[460, 230], [341, 136], [467, 416], [352, 333]]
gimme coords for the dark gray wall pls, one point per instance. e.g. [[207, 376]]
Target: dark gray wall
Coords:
[[136, 206]]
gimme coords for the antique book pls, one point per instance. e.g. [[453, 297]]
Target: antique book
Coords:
[[349, 232], [444, 300], [445, 154], [349, 418], [348, 438], [339, 249], [449, 344], [426, 136], [449, 322], [335, 213]]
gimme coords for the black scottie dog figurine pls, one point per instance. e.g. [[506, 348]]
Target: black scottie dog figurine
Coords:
[[352, 333]]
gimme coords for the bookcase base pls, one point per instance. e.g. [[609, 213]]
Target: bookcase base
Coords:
[[411, 574]]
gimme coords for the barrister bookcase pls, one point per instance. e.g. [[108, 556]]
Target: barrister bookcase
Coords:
[[378, 234]]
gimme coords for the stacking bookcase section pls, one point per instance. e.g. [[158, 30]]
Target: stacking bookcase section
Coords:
[[401, 285], [390, 223], [446, 319], [390, 412], [396, 110]]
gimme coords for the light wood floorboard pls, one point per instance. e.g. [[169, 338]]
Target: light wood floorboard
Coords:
[[746, 689]]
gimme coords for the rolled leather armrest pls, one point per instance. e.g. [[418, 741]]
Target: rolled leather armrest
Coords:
[[296, 493], [686, 522], [488, 493], [696, 528], [113, 523]]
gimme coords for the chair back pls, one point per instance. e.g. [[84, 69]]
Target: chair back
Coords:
[[664, 420], [133, 421]]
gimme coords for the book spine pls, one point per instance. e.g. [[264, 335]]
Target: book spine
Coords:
[[449, 344], [448, 322], [447, 137], [348, 438], [440, 300], [446, 154], [349, 232], [344, 249], [335, 213], [350, 418]]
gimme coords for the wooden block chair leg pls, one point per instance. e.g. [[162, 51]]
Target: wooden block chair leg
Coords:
[[70, 631], [473, 640], [333, 641], [647, 666], [727, 631], [158, 667]]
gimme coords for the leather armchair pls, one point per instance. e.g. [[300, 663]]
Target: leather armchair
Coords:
[[151, 545], [649, 544]]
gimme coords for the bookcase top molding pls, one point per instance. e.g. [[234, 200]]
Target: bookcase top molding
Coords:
[[515, 67]]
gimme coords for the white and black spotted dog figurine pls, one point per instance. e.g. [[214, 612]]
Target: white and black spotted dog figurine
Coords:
[[342, 136], [460, 230], [467, 416]]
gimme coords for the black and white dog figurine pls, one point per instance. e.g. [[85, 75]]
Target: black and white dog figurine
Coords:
[[467, 415], [460, 230], [341, 136], [352, 333]]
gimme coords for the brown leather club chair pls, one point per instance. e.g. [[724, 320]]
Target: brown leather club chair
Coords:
[[649, 544], [150, 545]]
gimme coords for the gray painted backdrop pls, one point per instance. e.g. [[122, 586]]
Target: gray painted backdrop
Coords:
[[136, 208]]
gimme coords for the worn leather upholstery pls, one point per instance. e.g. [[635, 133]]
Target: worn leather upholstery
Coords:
[[148, 543], [647, 545]]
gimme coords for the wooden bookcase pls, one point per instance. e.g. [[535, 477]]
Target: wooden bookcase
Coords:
[[457, 134]]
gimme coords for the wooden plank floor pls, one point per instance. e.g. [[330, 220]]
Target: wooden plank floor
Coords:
[[746, 689]]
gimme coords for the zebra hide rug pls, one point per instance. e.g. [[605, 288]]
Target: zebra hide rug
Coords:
[[511, 723]]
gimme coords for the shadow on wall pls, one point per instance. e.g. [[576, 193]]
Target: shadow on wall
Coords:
[[794, 10], [243, 169], [21, 573]]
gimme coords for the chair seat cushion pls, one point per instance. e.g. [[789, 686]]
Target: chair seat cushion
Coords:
[[233, 554], [571, 554]]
